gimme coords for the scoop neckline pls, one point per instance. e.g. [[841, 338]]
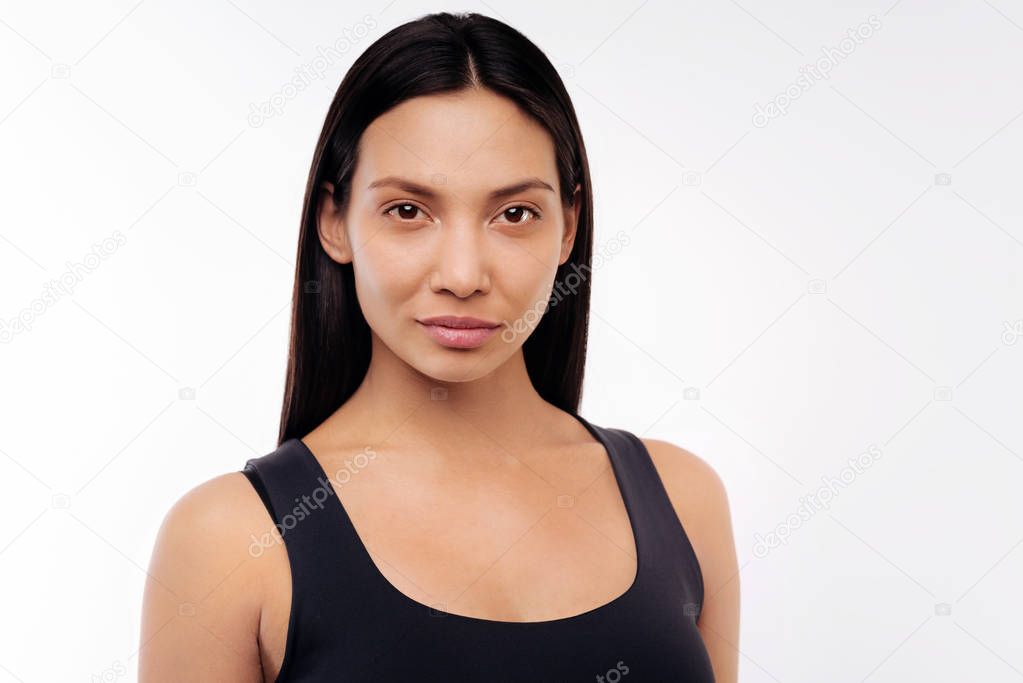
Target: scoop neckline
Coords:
[[612, 454]]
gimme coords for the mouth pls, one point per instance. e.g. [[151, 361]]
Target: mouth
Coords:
[[459, 322], [458, 332]]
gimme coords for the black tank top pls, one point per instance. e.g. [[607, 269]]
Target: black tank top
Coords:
[[349, 623]]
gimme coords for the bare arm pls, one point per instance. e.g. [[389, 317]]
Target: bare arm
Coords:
[[701, 502], [201, 608]]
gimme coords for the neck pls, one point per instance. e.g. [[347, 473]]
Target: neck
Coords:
[[400, 405]]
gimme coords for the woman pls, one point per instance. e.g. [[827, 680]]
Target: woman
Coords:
[[436, 508]]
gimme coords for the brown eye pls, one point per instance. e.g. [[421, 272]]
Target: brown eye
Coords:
[[515, 214], [405, 211]]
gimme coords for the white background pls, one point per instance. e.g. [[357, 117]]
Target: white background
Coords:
[[816, 284]]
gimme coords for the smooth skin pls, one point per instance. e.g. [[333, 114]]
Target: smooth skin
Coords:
[[459, 508]]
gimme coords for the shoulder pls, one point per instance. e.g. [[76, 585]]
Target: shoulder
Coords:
[[202, 573], [216, 512], [698, 494], [699, 497], [689, 479], [205, 535]]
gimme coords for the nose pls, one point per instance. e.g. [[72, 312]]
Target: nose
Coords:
[[461, 258]]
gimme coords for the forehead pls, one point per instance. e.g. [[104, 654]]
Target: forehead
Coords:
[[474, 138]]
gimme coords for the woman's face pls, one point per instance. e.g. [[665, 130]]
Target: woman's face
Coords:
[[454, 210]]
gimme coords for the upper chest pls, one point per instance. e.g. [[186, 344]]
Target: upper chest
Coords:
[[524, 541]]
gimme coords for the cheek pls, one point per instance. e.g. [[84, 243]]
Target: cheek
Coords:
[[527, 276], [385, 277]]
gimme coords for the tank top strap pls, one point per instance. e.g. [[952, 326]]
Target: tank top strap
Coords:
[[328, 580], [665, 551], [301, 498]]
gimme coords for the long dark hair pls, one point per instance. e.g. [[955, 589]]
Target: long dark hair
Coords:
[[438, 53]]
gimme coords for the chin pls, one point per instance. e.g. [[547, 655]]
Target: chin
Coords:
[[453, 365]]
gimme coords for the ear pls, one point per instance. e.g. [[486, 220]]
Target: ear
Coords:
[[571, 225], [331, 226]]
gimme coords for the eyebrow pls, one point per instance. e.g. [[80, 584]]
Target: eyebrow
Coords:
[[415, 188]]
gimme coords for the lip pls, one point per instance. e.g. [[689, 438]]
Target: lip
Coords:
[[458, 322], [458, 332]]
